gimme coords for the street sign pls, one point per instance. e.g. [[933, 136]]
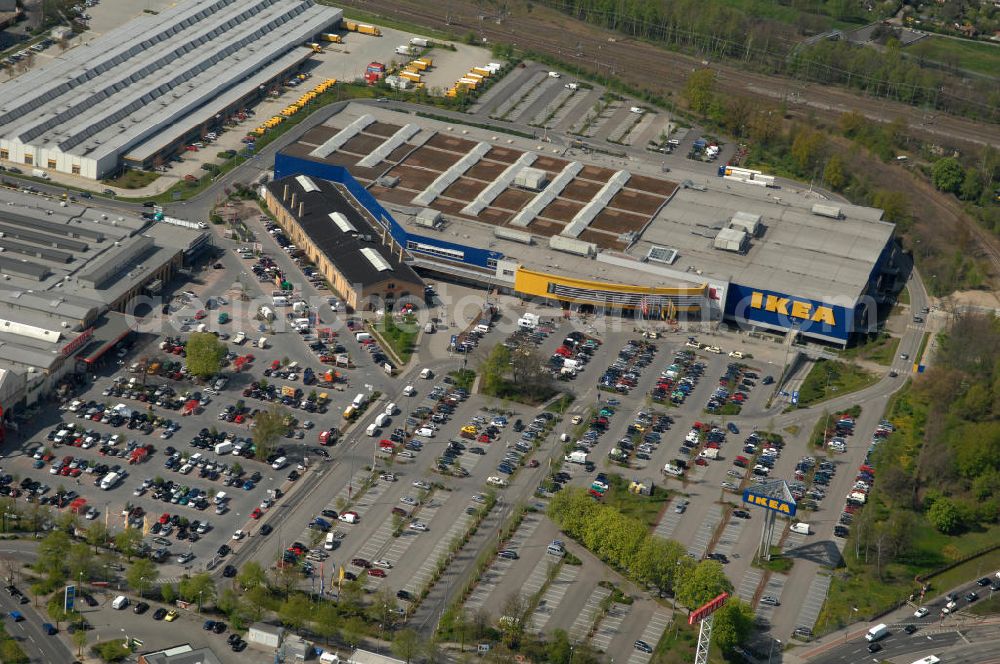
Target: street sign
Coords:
[[69, 598]]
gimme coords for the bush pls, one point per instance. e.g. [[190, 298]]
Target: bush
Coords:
[[111, 651]]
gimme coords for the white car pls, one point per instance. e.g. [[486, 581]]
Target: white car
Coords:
[[408, 500], [388, 477], [577, 419], [420, 484], [949, 607], [384, 564], [238, 535], [418, 526], [921, 612], [479, 498]]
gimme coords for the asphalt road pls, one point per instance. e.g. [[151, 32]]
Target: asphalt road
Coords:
[[39, 646]]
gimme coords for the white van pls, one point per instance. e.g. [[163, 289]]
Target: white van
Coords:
[[360, 400], [381, 420], [328, 544], [409, 391], [119, 603], [800, 528], [372, 430], [220, 498], [362, 336], [279, 463], [426, 374], [877, 632], [426, 432], [390, 410]]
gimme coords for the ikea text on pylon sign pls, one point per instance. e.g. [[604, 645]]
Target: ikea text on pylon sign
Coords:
[[767, 502], [786, 306]]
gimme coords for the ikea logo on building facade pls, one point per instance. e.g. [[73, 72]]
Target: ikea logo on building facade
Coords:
[[767, 502], [787, 306]]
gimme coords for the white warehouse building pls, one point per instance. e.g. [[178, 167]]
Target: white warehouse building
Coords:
[[136, 94]]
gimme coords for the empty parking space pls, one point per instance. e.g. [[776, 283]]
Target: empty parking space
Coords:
[[609, 627], [490, 581], [730, 536], [749, 584], [813, 603], [553, 596], [668, 523], [588, 613], [699, 546], [651, 635], [772, 588], [426, 569]]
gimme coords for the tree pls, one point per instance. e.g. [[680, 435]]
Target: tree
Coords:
[[128, 541], [97, 534], [251, 575], [79, 638], [204, 354], [295, 611], [894, 204], [141, 575], [52, 553], [495, 368], [326, 620], [168, 592], [703, 582], [559, 650], [353, 630], [733, 624], [699, 90], [269, 426], [833, 174], [947, 174], [286, 578], [972, 185], [658, 563], [945, 516], [79, 562], [257, 600], [198, 588], [406, 645], [513, 619], [806, 148]]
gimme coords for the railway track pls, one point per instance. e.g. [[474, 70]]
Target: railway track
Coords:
[[645, 66]]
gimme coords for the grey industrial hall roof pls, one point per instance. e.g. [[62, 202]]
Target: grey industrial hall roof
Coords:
[[133, 82], [344, 249], [799, 253]]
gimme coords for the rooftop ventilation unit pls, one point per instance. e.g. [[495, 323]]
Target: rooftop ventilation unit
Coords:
[[831, 211], [732, 239]]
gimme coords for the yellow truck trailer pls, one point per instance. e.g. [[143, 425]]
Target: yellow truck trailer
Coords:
[[332, 37], [410, 76]]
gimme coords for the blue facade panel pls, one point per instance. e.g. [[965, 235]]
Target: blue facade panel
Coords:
[[787, 312], [287, 165]]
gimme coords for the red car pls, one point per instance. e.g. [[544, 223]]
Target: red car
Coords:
[[700, 462], [164, 518], [533, 463], [296, 549], [380, 573], [256, 514], [200, 314]]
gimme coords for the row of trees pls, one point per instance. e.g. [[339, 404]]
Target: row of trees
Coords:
[[626, 544]]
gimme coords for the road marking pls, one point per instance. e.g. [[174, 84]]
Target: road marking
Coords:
[[730, 536], [699, 547], [652, 634], [813, 604], [748, 586], [608, 628], [585, 619], [552, 597], [496, 571]]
